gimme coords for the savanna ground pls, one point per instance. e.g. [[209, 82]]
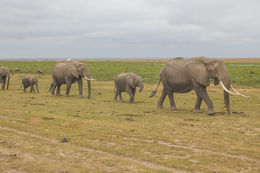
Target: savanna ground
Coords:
[[108, 136]]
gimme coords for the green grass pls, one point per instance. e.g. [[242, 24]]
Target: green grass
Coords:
[[246, 74], [122, 133]]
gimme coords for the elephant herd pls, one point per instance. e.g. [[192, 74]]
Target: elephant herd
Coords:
[[179, 75]]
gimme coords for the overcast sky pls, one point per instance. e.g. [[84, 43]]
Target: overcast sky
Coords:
[[129, 28]]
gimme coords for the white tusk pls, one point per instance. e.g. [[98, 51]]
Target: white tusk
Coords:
[[223, 86], [89, 78], [238, 92]]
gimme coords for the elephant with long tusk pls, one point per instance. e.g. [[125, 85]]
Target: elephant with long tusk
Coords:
[[181, 75], [69, 72]]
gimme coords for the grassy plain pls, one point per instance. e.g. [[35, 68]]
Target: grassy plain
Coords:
[[108, 136]]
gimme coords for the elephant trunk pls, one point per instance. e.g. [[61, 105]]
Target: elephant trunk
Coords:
[[141, 87], [89, 88], [8, 82], [225, 80]]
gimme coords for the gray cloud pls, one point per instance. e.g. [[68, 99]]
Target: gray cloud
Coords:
[[136, 28]]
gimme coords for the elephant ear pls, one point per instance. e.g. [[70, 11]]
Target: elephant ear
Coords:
[[199, 73], [74, 72], [130, 81]]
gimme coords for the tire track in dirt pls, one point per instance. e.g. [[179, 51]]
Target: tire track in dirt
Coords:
[[10, 118], [168, 144], [143, 163], [196, 150]]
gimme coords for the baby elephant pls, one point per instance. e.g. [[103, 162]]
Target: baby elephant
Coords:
[[30, 81], [127, 82], [39, 71]]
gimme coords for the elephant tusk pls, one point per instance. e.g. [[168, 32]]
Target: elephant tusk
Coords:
[[223, 86], [238, 92], [89, 78]]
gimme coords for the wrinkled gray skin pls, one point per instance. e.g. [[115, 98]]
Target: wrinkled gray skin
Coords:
[[67, 73], [5, 72], [181, 75], [17, 70], [39, 71], [30, 81], [127, 82]]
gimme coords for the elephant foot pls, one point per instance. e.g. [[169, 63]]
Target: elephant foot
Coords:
[[66, 95], [80, 96], [198, 111], [211, 112], [114, 100], [131, 101], [160, 106], [122, 101], [173, 108]]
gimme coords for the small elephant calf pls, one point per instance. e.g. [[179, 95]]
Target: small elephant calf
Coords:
[[39, 71], [30, 81], [127, 82]]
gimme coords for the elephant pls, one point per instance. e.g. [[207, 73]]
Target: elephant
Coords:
[[39, 71], [30, 81], [69, 72], [127, 82], [17, 70], [5, 72], [181, 75]]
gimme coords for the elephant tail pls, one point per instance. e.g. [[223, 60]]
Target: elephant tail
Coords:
[[50, 87], [154, 91]]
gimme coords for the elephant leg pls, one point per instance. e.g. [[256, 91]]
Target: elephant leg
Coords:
[[24, 89], [80, 84], [58, 90], [197, 105], [171, 100], [32, 88], [3, 83], [202, 92], [116, 94], [68, 89], [120, 96], [161, 100], [134, 91], [129, 90], [53, 87]]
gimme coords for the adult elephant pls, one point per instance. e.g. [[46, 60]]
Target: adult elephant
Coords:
[[67, 73], [181, 75], [5, 72]]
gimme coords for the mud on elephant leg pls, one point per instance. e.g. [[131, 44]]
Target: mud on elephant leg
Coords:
[[161, 100]]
